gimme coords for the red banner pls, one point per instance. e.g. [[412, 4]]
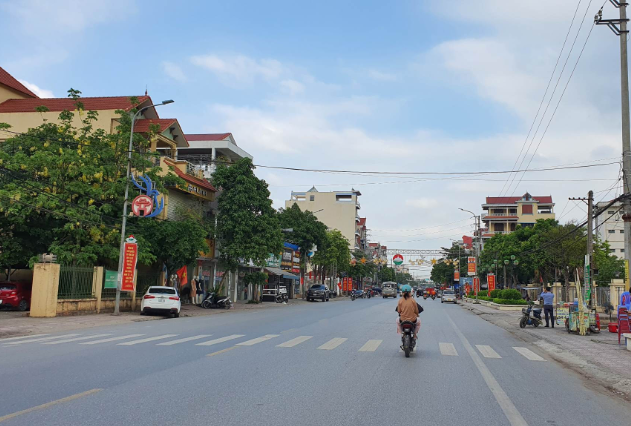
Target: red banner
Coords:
[[471, 266], [457, 276], [130, 256], [490, 278], [476, 285], [344, 284], [182, 275]]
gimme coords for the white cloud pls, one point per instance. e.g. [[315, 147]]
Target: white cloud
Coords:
[[240, 69], [42, 93], [292, 87], [381, 76], [422, 203], [174, 71]]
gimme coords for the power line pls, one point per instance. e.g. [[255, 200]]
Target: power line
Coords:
[[545, 93]]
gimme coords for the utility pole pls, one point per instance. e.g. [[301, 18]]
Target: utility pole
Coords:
[[619, 28], [590, 244]]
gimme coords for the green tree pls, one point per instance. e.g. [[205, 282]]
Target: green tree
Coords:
[[334, 254], [247, 224], [386, 274], [442, 273]]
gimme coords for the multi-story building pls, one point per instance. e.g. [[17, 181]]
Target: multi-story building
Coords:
[[337, 210], [502, 214], [610, 228], [206, 150], [361, 234]]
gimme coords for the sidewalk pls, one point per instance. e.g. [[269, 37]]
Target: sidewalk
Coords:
[[13, 324], [597, 357]]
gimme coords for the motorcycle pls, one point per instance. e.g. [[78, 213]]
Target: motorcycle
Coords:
[[282, 296], [530, 317], [407, 337], [433, 297], [353, 295], [214, 301]]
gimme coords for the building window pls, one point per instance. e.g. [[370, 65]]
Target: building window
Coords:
[[621, 250], [612, 231], [611, 212], [612, 250], [622, 231], [526, 209], [311, 197]]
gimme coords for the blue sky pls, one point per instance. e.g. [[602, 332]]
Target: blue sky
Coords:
[[362, 85]]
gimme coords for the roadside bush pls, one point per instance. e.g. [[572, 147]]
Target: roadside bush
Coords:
[[495, 294], [510, 294], [509, 302], [480, 297]]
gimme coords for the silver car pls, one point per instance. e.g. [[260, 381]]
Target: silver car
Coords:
[[448, 296]]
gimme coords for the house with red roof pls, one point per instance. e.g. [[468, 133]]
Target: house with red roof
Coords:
[[502, 214]]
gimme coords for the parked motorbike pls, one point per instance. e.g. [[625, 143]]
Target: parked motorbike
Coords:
[[214, 301], [530, 317], [282, 296], [408, 342], [353, 295]]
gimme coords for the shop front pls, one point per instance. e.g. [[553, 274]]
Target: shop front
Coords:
[[279, 278]]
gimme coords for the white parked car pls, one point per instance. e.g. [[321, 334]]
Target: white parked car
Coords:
[[164, 300]]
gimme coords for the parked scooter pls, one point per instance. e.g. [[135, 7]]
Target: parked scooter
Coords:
[[530, 316], [214, 301], [282, 296]]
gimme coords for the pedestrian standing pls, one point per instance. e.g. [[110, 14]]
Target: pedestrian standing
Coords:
[[548, 304]]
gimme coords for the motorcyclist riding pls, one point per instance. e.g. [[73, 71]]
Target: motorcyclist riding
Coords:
[[408, 309]]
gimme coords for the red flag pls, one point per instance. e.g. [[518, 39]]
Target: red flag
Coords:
[[182, 275]]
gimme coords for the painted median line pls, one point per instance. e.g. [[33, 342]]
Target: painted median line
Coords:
[[49, 404], [222, 351], [148, 339], [75, 339], [111, 339]]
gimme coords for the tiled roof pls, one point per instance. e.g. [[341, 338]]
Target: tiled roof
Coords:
[[9, 81], [513, 200], [195, 181], [362, 221], [373, 244], [207, 137], [142, 125], [60, 104]]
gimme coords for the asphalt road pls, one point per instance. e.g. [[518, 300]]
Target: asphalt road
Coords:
[[338, 363]]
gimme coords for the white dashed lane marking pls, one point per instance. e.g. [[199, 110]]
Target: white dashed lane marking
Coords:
[[333, 343], [448, 349], [528, 354], [293, 342], [257, 340], [487, 351]]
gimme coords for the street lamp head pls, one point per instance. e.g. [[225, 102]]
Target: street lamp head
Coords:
[[168, 101], [516, 262], [512, 257], [506, 262]]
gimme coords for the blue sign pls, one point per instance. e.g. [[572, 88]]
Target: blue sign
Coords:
[[150, 191]]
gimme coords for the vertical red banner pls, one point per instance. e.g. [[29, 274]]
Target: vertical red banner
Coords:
[[457, 276], [130, 256], [491, 282], [476, 285], [471, 265]]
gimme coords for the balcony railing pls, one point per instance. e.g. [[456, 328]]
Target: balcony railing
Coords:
[[502, 214]]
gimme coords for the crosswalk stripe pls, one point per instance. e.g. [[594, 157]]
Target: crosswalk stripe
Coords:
[[220, 340], [23, 337], [448, 349], [293, 342], [56, 342], [257, 340], [528, 354], [370, 346], [487, 351], [187, 339], [333, 343], [43, 339], [111, 339], [148, 339]]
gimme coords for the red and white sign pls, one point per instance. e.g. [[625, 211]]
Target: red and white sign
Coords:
[[457, 276], [130, 256], [142, 205], [490, 278], [397, 259], [476, 285], [471, 266]]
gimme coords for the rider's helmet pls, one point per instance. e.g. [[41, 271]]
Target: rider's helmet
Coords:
[[406, 289]]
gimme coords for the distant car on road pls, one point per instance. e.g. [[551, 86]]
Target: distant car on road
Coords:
[[389, 289], [15, 294], [448, 296], [164, 300], [318, 291]]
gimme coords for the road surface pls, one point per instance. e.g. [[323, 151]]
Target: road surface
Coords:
[[336, 363]]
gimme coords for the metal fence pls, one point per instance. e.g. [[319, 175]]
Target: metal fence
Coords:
[[145, 280], [603, 296], [75, 282]]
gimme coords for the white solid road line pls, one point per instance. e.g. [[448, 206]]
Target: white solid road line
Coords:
[[220, 340], [187, 339], [43, 339], [258, 340], [448, 349], [333, 343], [148, 339], [56, 342], [23, 337], [293, 342], [487, 351], [513, 416], [370, 346], [528, 354], [111, 339]]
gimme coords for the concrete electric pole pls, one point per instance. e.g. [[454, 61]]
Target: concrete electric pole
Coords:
[[619, 27]]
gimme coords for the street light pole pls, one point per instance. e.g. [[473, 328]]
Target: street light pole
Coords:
[[476, 252], [123, 226]]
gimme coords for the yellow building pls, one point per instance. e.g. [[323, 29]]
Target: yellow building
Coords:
[[503, 214]]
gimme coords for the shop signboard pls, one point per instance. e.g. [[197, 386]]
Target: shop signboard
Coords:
[[273, 261], [457, 276], [111, 279], [561, 315], [130, 256], [471, 266]]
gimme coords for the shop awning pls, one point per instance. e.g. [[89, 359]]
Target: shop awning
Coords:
[[289, 276], [284, 274]]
